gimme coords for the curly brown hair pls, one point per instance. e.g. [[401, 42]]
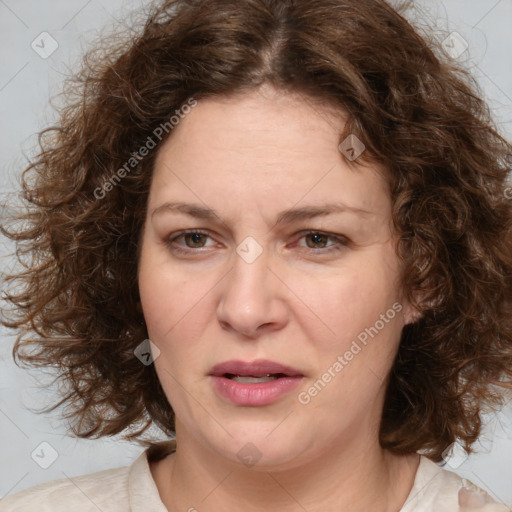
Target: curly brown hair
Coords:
[[420, 114]]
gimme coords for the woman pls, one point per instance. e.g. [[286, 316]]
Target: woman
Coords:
[[279, 231]]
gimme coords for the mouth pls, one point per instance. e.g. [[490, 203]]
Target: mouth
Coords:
[[256, 383], [260, 370], [253, 379]]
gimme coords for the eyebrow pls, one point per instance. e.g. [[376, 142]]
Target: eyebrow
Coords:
[[285, 217]]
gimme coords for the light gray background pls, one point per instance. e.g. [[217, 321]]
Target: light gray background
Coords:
[[27, 82]]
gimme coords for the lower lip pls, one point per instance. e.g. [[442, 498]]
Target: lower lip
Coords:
[[263, 393]]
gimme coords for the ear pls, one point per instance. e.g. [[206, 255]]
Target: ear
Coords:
[[411, 314]]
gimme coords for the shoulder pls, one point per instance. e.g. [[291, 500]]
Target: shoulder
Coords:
[[438, 490], [104, 490], [126, 489]]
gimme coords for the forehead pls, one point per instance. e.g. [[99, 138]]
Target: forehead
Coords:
[[267, 147]]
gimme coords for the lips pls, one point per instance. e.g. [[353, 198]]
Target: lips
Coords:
[[257, 368], [254, 384]]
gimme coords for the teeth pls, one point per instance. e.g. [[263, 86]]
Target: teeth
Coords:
[[253, 380]]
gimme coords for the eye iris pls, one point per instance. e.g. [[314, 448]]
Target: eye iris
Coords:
[[317, 238], [196, 239]]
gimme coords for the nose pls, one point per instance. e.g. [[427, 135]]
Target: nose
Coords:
[[253, 299]]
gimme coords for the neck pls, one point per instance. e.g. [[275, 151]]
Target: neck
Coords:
[[356, 478]]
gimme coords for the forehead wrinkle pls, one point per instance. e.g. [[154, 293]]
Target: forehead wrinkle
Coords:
[[285, 217]]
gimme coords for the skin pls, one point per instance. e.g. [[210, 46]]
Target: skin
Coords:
[[302, 302]]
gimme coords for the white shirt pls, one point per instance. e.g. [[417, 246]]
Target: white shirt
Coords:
[[132, 489]]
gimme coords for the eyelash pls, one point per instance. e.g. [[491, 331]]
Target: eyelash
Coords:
[[341, 241]]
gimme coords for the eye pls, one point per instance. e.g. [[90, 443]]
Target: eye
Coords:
[[192, 240], [317, 240]]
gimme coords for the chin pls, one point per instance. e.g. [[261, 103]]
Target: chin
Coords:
[[257, 450]]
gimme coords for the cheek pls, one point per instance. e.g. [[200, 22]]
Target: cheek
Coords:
[[172, 308], [170, 304], [351, 303], [156, 300], [353, 298], [169, 297]]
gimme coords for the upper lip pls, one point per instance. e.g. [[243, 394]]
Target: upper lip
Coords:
[[257, 368]]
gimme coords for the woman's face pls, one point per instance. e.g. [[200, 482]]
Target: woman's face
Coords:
[[293, 263]]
